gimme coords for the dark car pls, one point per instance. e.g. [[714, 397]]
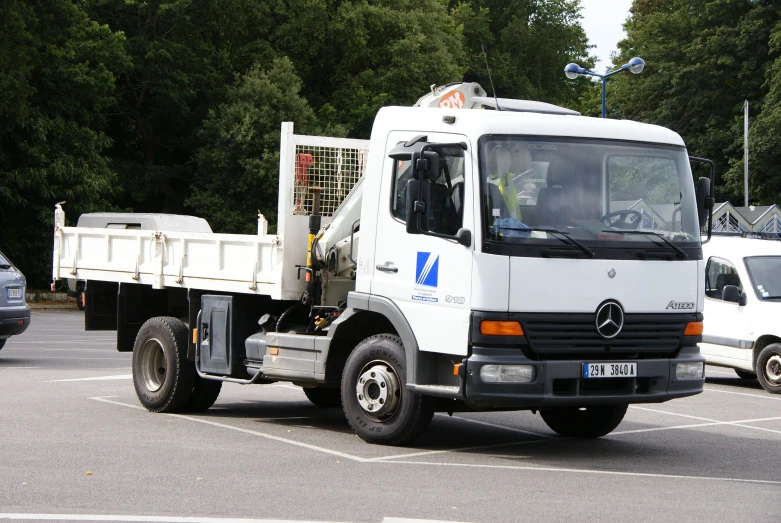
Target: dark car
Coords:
[[14, 312]]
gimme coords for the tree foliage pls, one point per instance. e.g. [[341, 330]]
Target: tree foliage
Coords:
[[527, 43], [703, 59], [238, 164], [57, 75], [175, 105]]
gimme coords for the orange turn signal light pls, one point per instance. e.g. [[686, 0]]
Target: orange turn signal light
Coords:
[[457, 369], [501, 328], [694, 328], [195, 335]]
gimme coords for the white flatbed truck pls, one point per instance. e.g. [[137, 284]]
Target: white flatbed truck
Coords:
[[464, 258]]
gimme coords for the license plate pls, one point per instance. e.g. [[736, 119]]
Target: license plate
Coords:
[[13, 293], [610, 370]]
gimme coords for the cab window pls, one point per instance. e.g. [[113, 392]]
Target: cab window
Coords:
[[719, 273], [446, 214]]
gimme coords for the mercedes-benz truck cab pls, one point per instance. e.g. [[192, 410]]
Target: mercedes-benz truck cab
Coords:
[[559, 256]]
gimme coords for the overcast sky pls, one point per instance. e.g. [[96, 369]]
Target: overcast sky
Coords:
[[603, 21]]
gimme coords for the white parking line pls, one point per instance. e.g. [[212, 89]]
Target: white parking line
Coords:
[[589, 471], [97, 378], [722, 372], [153, 519], [389, 459], [245, 431], [766, 397], [175, 519], [712, 422]]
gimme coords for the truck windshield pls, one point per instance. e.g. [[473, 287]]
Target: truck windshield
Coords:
[[597, 192], [765, 272]]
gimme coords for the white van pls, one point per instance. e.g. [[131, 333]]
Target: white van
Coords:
[[742, 307]]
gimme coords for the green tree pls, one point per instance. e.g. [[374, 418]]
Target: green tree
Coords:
[[357, 56], [57, 75], [703, 59], [528, 43], [178, 72], [238, 164]]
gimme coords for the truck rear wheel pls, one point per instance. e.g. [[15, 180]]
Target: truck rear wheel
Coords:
[[162, 375], [205, 393], [2, 343], [324, 397], [583, 422], [769, 368], [377, 405]]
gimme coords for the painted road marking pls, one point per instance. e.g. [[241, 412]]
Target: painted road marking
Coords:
[[154, 519], [738, 423], [588, 471], [466, 465], [768, 397], [245, 431], [176, 519], [97, 378]]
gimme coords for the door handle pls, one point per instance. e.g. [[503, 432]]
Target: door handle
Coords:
[[388, 267]]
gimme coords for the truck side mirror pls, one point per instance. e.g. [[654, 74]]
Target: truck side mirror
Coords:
[[704, 200], [425, 165], [732, 294], [418, 193]]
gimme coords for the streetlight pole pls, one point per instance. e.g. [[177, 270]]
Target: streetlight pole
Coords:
[[635, 66]]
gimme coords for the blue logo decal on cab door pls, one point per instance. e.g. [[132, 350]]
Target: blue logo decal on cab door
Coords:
[[427, 269]]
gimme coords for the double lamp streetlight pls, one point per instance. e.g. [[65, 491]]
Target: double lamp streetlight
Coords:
[[635, 66]]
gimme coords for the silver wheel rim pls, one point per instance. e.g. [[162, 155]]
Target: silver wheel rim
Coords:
[[153, 365], [377, 390], [773, 369]]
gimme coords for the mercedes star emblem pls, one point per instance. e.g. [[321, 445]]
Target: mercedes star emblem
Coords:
[[611, 273], [610, 319]]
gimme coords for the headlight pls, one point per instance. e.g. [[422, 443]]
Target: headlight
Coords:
[[507, 373], [689, 371]]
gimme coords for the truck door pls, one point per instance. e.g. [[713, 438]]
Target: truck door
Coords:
[[429, 278], [726, 323]]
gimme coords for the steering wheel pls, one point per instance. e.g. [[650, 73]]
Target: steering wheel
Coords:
[[627, 219]]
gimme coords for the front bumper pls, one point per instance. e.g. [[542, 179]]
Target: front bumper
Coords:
[[14, 320], [560, 383]]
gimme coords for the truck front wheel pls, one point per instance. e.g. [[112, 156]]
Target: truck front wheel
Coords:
[[377, 405], [162, 375], [769, 368], [583, 422]]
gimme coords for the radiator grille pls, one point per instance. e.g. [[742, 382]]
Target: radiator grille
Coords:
[[577, 333]]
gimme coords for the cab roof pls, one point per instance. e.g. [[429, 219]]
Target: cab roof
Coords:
[[479, 122]]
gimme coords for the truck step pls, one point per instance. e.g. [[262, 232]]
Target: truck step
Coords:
[[442, 391]]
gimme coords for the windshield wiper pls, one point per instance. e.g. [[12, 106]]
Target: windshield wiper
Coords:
[[680, 252], [563, 236]]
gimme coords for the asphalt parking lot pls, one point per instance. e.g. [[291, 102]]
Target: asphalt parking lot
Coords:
[[75, 445]]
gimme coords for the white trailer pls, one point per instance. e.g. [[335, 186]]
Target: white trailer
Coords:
[[474, 254]]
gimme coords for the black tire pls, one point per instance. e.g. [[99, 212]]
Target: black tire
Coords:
[[324, 397], [769, 368], [400, 419], [584, 422], [205, 393], [745, 375], [80, 300], [2, 343], [162, 375]]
